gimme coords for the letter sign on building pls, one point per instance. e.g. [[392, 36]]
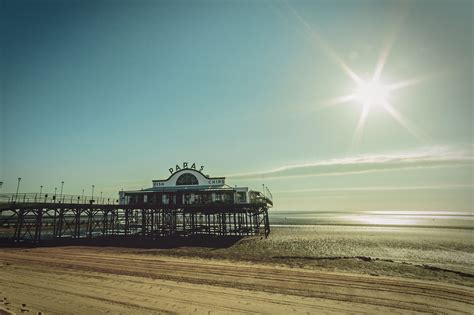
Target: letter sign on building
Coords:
[[179, 176], [184, 167]]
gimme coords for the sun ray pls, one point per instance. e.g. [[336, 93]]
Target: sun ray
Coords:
[[336, 101], [403, 122], [360, 125], [382, 60], [405, 83], [330, 52], [339, 100], [436, 73], [390, 40], [372, 93]]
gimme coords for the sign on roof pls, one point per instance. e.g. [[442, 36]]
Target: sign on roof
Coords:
[[185, 166], [188, 175]]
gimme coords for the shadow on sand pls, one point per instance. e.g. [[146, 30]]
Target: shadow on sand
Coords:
[[131, 242]]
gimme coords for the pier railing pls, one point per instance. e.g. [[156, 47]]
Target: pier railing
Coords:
[[34, 222], [49, 198]]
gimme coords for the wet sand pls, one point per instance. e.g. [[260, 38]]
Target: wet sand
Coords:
[[418, 253], [296, 270]]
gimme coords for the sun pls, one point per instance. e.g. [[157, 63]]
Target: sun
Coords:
[[371, 93]]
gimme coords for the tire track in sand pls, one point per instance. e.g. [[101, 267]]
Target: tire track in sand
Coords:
[[258, 285]]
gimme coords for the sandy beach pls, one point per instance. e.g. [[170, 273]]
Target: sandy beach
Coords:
[[90, 280], [206, 280]]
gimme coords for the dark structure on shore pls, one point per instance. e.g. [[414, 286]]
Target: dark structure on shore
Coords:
[[186, 204]]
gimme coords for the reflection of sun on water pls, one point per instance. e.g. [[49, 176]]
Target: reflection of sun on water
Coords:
[[376, 220]]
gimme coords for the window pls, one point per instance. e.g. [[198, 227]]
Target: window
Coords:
[[241, 196], [187, 179], [187, 199]]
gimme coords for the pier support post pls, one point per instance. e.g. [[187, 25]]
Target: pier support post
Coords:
[[19, 225], [38, 224]]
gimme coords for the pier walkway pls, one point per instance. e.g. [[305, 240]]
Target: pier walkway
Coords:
[[37, 217]]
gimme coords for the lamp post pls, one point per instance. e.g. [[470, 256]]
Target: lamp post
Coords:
[[92, 199], [100, 200], [17, 188], [61, 194], [39, 197], [82, 197]]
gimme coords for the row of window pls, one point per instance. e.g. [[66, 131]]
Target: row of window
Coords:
[[185, 198]]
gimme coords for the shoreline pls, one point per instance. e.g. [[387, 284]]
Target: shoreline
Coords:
[[412, 226]]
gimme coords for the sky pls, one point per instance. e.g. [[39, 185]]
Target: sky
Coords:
[[114, 93]]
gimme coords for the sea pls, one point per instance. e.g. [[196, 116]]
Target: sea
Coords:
[[442, 239], [439, 219]]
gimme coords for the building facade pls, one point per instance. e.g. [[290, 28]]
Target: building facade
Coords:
[[189, 186]]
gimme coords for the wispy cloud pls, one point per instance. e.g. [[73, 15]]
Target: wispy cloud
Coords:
[[377, 188], [431, 157]]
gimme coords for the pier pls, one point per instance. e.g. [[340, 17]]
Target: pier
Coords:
[[33, 218]]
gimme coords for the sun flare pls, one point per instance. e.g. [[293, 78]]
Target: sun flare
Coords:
[[371, 93]]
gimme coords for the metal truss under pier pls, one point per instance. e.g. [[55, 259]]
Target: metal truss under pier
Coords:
[[33, 222]]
